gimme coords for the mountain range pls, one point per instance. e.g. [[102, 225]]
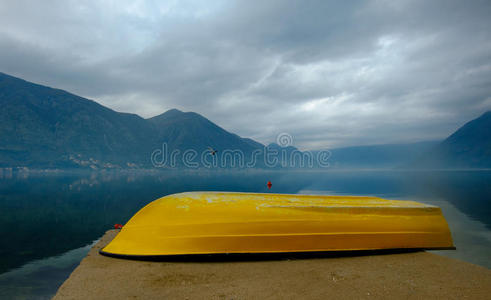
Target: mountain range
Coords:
[[379, 156], [46, 127], [468, 147], [43, 127]]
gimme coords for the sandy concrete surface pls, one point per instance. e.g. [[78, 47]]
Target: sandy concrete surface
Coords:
[[414, 275]]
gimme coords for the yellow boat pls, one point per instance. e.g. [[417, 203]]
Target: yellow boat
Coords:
[[222, 222]]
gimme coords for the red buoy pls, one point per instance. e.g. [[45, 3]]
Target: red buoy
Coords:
[[118, 226], [269, 184]]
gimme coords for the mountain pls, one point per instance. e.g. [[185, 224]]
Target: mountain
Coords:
[[378, 156], [42, 127], [468, 147], [189, 130]]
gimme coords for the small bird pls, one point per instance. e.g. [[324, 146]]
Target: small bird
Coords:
[[212, 151], [269, 185]]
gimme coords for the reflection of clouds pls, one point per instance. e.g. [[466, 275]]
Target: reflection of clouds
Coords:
[[58, 262], [6, 173], [99, 178], [33, 274], [471, 237], [78, 184]]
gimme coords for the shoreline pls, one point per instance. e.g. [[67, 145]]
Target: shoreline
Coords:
[[385, 275]]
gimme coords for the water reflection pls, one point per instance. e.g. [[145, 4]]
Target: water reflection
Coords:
[[46, 216], [40, 279]]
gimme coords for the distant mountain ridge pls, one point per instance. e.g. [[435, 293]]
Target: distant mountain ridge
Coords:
[[468, 147], [46, 127], [189, 130], [378, 156], [43, 127]]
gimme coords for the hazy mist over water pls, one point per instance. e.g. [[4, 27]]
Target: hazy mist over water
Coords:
[[47, 223]]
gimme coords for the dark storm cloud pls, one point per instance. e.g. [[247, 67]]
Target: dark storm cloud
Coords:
[[330, 73]]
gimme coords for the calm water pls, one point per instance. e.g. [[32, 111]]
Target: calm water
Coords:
[[48, 223]]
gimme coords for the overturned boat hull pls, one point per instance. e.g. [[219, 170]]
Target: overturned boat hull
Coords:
[[221, 222]]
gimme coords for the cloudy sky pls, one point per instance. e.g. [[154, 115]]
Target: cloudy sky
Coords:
[[330, 73]]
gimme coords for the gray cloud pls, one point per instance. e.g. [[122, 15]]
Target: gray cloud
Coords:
[[330, 73]]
